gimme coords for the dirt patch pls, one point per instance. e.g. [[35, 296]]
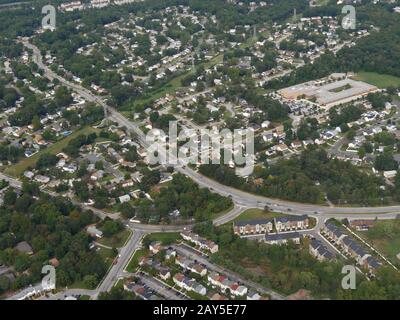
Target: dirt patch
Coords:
[[301, 294]]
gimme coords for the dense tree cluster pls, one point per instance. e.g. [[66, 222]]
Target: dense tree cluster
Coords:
[[307, 179], [54, 229], [186, 196]]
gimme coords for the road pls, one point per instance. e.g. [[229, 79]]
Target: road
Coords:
[[242, 200], [239, 197]]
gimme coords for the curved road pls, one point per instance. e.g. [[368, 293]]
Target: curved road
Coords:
[[241, 199]]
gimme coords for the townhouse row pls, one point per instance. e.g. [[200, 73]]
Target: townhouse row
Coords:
[[282, 224], [200, 242], [350, 246]]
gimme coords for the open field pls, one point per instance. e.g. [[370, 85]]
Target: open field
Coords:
[[379, 80], [19, 168], [166, 238], [134, 262], [117, 240], [385, 237], [251, 214]]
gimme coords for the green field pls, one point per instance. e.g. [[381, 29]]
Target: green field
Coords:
[[117, 240], [166, 238], [384, 236], [134, 262], [379, 80], [251, 214], [19, 168]]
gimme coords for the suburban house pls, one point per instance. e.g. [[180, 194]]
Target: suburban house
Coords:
[[155, 247], [24, 247], [189, 284], [169, 253], [361, 225], [224, 283], [164, 274], [256, 226], [94, 232]]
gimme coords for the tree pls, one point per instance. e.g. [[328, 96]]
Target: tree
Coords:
[[99, 165], [36, 123], [10, 197], [4, 283], [385, 162], [90, 281], [127, 211]]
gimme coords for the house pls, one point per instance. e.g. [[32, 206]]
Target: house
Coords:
[[238, 290], [29, 174], [94, 232], [24, 247], [124, 198], [178, 279], [351, 247], [361, 225], [296, 144], [170, 254], [155, 247], [189, 284], [97, 175], [253, 295], [164, 274], [319, 251], [291, 223], [372, 264], [42, 179], [255, 226], [282, 147], [282, 238]]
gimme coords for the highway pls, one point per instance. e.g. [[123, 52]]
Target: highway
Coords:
[[242, 200], [239, 197]]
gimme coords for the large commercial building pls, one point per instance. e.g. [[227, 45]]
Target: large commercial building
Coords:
[[328, 92]]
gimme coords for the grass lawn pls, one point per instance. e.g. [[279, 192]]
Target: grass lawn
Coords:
[[117, 240], [19, 168], [107, 255], [134, 262], [251, 214], [166, 238], [221, 213], [384, 236], [379, 80]]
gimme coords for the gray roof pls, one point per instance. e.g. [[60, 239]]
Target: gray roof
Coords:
[[292, 218], [282, 236], [252, 222]]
